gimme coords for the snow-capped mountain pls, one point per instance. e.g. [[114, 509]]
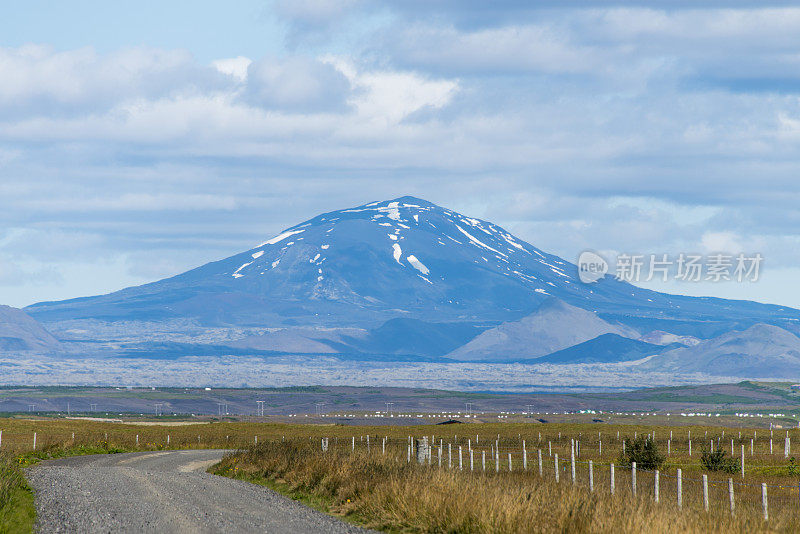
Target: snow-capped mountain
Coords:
[[403, 258]]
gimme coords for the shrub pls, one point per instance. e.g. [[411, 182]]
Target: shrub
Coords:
[[644, 452], [717, 461]]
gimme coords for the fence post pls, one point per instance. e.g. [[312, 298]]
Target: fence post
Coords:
[[633, 478], [680, 488], [655, 486], [460, 462], [449, 455], [408, 450], [354, 445], [600, 452], [786, 447], [572, 465], [440, 455], [730, 495], [690, 447], [550, 449], [1, 438], [612, 479], [764, 500], [591, 477], [483, 460], [137, 440], [705, 492], [742, 461], [669, 446], [509, 462], [555, 464], [751, 447], [497, 461], [34, 441], [471, 461], [524, 457], [540, 463], [770, 445], [383, 446]]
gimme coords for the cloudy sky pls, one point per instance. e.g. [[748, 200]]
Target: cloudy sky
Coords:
[[140, 139]]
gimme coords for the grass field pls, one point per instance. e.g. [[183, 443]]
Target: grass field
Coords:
[[384, 490]]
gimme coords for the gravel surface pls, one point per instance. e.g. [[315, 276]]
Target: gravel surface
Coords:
[[163, 492]]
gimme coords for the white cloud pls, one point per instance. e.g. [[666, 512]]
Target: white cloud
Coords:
[[235, 66]]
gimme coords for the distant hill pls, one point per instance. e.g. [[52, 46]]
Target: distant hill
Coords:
[[607, 348], [554, 326], [761, 351], [20, 332]]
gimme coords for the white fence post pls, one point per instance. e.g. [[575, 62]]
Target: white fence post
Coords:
[[34, 441], [680, 488], [460, 461], [705, 492], [483, 460], [524, 457], [591, 477], [612, 479], [764, 500], [509, 463], [555, 464], [449, 455], [655, 486], [730, 495], [572, 464], [497, 460], [540, 463], [742, 465], [633, 478], [471, 462]]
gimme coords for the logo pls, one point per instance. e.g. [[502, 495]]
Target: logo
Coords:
[[591, 267]]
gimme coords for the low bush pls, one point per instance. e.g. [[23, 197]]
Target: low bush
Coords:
[[644, 452]]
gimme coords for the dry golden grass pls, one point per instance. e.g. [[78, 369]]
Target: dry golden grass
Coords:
[[387, 493]]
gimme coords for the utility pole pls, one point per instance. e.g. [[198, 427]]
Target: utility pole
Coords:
[[389, 406], [319, 406], [159, 411], [260, 408], [468, 408]]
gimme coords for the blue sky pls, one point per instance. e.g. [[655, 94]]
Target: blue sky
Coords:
[[141, 140]]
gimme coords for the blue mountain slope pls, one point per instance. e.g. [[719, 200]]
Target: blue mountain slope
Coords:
[[608, 348], [401, 258]]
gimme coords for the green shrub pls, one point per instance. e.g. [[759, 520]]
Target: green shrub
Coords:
[[717, 461], [644, 452]]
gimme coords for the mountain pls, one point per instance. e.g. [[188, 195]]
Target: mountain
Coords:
[[761, 351], [362, 266], [19, 331], [554, 326], [607, 348]]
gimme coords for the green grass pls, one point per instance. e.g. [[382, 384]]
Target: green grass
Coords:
[[17, 513]]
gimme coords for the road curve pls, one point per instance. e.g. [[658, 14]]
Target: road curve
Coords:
[[166, 491]]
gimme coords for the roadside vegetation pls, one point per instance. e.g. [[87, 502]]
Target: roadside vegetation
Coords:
[[356, 480], [387, 493], [16, 498]]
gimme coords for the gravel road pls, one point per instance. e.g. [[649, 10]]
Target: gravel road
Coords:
[[167, 491]]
